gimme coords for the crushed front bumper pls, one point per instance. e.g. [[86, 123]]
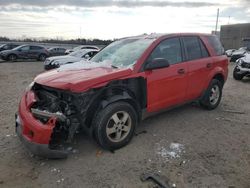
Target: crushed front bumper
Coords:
[[34, 134]]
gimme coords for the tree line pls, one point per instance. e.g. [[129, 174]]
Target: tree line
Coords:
[[80, 41]]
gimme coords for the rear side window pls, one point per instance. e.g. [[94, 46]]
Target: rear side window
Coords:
[[204, 51], [169, 49], [36, 48], [192, 47], [216, 45]]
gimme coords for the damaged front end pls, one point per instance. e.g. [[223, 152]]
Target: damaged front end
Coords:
[[48, 118]]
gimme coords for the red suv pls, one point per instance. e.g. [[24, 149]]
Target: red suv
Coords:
[[142, 75]]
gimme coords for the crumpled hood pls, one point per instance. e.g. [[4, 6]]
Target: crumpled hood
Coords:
[[246, 58], [81, 80]]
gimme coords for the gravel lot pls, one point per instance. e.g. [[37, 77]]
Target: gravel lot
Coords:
[[188, 146]]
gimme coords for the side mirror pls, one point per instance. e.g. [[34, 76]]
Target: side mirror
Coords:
[[157, 63]]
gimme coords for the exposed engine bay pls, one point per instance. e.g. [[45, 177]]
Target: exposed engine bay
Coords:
[[68, 109]]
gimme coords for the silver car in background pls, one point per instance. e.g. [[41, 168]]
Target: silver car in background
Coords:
[[57, 61], [82, 47]]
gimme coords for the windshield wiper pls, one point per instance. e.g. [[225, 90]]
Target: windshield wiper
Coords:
[[114, 67]]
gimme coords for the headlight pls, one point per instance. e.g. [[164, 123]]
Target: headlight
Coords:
[[55, 63], [30, 86], [47, 61], [239, 62]]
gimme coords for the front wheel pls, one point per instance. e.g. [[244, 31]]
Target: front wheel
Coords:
[[236, 74], [212, 97], [12, 57], [114, 125]]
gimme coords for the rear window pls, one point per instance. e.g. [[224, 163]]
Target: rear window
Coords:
[[216, 45]]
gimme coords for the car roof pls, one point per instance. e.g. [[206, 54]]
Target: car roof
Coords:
[[165, 35]]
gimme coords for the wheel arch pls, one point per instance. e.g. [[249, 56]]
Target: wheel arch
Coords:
[[220, 77], [121, 90], [218, 73]]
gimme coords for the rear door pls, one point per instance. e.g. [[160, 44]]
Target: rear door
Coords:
[[35, 51], [23, 52], [199, 65], [166, 87]]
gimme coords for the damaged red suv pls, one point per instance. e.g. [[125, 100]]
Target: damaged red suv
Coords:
[[126, 81]]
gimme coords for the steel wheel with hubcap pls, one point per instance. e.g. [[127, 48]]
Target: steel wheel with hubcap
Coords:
[[114, 125]]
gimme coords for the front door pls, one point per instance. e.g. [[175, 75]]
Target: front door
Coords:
[[167, 87]]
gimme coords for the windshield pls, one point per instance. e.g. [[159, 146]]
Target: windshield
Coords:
[[78, 53], [123, 53]]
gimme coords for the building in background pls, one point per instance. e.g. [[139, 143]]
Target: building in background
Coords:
[[235, 36]]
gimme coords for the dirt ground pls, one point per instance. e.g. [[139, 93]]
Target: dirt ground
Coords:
[[188, 146]]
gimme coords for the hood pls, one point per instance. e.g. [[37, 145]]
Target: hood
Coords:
[[81, 80], [246, 58], [239, 52], [6, 51]]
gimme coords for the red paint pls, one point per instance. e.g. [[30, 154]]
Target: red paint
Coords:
[[41, 132], [165, 87]]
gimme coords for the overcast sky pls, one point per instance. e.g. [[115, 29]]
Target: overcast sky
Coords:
[[109, 19]]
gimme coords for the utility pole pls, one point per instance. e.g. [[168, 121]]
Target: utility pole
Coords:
[[228, 20], [218, 12]]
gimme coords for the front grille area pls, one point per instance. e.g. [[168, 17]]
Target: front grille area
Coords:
[[71, 106], [245, 65]]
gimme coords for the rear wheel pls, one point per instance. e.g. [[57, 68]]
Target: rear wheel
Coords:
[[237, 75], [12, 57], [114, 125], [42, 57], [212, 97]]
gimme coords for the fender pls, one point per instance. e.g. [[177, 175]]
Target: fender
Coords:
[[215, 71]]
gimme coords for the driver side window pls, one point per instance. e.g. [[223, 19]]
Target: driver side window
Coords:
[[169, 49]]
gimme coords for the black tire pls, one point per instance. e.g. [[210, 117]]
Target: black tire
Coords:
[[42, 57], [103, 119], [236, 74], [206, 101], [12, 57]]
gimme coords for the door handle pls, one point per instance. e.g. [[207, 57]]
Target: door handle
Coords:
[[181, 71], [209, 65]]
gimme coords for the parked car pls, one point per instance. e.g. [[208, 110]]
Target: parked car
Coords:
[[229, 52], [82, 47], [237, 54], [8, 46], [57, 61], [25, 52], [56, 51], [242, 67], [136, 77]]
